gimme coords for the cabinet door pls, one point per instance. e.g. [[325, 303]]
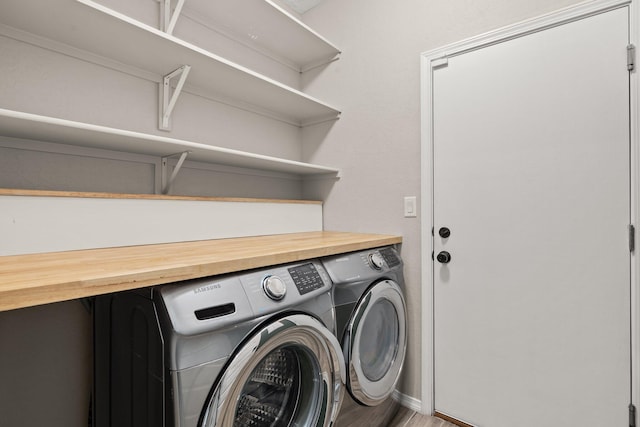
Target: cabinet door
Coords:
[[531, 177]]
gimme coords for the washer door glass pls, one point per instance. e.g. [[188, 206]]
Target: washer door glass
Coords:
[[288, 374], [375, 343], [272, 394]]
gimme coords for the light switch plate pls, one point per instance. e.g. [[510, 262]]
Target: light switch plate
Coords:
[[410, 207]]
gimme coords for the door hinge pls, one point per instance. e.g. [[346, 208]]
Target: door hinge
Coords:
[[439, 62], [632, 415], [631, 57], [632, 238]]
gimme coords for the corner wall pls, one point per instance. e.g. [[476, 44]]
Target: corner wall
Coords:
[[376, 142]]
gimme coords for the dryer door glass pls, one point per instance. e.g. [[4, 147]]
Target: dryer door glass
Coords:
[[377, 353], [376, 343], [288, 374]]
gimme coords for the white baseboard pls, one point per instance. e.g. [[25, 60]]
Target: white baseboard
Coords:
[[407, 401]]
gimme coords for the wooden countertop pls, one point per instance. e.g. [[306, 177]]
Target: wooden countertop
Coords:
[[28, 280]]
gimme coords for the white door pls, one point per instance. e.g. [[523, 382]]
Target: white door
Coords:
[[531, 177]]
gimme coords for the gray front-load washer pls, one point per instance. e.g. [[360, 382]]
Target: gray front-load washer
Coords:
[[371, 324], [251, 349]]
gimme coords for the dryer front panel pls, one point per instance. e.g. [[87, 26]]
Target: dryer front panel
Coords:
[[290, 373], [375, 343]]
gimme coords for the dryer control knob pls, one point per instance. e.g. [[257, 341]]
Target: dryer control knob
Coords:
[[376, 261], [274, 287]]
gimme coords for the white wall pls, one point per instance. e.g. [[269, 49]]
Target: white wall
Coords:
[[376, 143]]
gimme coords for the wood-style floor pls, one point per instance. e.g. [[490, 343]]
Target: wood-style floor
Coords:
[[408, 418], [387, 414]]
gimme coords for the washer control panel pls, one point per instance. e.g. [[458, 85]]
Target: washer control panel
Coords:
[[199, 305], [306, 278], [278, 287]]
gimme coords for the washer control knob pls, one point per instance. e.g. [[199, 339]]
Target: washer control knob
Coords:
[[274, 287], [376, 261]]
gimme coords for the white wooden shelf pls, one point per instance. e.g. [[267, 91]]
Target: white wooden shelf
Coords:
[[50, 129], [91, 27], [264, 24]]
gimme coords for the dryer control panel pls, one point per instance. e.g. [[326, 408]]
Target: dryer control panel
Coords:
[[363, 266]]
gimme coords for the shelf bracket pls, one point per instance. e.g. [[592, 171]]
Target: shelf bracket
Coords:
[[169, 19], [167, 180], [167, 100]]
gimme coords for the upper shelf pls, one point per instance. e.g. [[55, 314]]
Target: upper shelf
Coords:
[[265, 24], [89, 26], [31, 126]]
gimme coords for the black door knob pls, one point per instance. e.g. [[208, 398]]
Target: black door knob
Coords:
[[444, 232], [444, 257]]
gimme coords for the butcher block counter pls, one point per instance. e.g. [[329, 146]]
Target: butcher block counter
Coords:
[[34, 279]]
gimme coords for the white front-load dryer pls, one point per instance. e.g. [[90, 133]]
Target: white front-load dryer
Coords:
[[372, 328], [254, 349]]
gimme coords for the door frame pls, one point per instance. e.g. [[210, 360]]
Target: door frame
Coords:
[[433, 59]]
